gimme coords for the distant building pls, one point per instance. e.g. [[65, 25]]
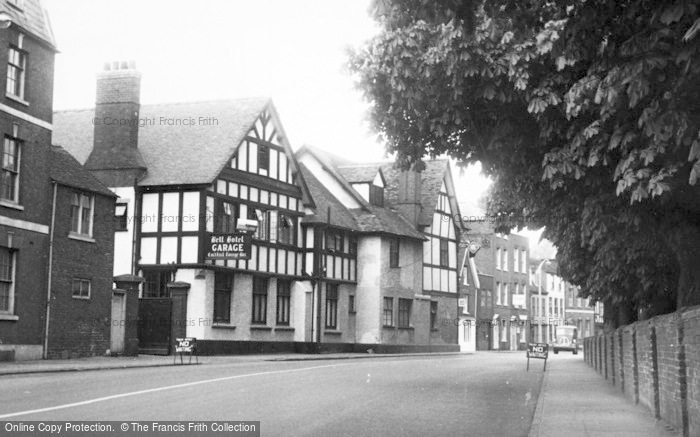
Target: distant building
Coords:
[[557, 303], [505, 259], [579, 311], [55, 247]]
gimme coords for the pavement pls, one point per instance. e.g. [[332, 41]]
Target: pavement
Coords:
[[574, 399], [577, 401]]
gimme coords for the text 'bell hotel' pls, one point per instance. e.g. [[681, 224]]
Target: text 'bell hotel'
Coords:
[[250, 247]]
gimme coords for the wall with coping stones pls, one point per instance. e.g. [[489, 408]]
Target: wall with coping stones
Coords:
[[655, 362]]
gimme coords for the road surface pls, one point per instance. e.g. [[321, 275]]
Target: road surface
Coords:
[[482, 394]]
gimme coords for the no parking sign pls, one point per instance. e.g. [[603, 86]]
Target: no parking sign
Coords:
[[537, 350]]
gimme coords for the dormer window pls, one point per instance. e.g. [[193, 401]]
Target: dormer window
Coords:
[[376, 195]]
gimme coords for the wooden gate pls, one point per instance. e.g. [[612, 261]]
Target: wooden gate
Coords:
[[155, 325]]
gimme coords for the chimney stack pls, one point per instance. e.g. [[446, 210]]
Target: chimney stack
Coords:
[[115, 158], [409, 203]]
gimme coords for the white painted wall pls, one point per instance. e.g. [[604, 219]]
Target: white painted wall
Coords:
[[123, 240], [328, 181], [368, 298]]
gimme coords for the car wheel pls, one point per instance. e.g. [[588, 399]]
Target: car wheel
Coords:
[[575, 352], [556, 352]]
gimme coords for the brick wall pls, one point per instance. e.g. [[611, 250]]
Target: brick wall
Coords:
[[656, 363], [81, 327]]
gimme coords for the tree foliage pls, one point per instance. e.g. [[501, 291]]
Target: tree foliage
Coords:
[[585, 113]]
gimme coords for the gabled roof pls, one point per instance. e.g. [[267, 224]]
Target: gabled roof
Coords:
[[324, 200], [66, 170], [32, 18], [369, 219], [193, 153], [360, 173], [330, 163]]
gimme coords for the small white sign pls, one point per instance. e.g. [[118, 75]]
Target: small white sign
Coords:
[[462, 302]]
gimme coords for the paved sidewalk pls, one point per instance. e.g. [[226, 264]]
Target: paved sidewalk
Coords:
[[104, 363], [576, 401]]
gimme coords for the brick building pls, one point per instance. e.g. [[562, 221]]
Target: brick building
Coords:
[[504, 258], [53, 253]]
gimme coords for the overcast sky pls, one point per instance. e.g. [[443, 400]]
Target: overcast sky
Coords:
[[291, 51]]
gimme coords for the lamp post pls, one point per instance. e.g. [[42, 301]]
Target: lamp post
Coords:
[[539, 299]]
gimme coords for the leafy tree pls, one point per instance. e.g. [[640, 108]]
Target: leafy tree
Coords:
[[585, 113]]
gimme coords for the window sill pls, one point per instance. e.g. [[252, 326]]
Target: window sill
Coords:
[[10, 204], [407, 327], [11, 317], [223, 326], [17, 99], [332, 332], [388, 327], [434, 330], [284, 328], [80, 237], [260, 328]]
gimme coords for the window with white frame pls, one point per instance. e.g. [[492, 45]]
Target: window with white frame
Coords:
[[498, 293], [16, 66], [81, 288], [9, 178], [7, 281], [505, 260], [516, 264], [498, 258], [523, 261], [82, 212]]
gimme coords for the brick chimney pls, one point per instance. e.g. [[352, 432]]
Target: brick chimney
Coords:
[[115, 158], [409, 202]]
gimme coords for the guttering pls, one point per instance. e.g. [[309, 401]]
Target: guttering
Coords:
[[50, 272]]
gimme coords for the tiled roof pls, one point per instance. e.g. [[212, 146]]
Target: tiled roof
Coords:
[[340, 216], [193, 153], [359, 173], [386, 221], [373, 219], [31, 17], [66, 170]]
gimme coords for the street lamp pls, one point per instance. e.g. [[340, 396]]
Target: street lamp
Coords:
[[539, 298]]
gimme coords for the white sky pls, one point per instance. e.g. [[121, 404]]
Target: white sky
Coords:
[[292, 51]]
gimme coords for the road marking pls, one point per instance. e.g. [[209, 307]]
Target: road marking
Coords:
[[170, 387], [206, 381]]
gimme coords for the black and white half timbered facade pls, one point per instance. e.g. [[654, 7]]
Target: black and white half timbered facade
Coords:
[[248, 247]]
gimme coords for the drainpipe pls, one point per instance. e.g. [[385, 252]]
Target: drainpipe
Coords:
[[50, 273]]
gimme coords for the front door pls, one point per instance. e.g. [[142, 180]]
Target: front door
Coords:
[[118, 323]]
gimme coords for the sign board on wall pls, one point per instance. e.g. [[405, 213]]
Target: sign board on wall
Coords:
[[518, 300], [229, 246]]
